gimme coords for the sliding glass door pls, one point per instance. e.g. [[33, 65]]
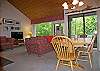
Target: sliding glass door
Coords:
[[90, 27], [83, 26]]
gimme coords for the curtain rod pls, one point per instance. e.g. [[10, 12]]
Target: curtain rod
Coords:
[[84, 11]]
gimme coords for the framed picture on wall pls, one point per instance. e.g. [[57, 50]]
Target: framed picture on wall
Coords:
[[1, 20], [12, 27], [17, 22], [17, 28], [8, 21], [6, 28]]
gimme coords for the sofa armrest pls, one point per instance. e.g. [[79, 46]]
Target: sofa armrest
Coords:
[[10, 40]]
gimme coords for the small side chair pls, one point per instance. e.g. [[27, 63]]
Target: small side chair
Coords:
[[87, 51]]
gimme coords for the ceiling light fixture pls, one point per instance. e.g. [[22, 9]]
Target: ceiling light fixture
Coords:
[[74, 4], [73, 7], [81, 3], [65, 5]]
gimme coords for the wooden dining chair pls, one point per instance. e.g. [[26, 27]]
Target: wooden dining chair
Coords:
[[87, 51], [65, 51]]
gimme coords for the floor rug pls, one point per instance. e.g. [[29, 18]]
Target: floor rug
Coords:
[[4, 61]]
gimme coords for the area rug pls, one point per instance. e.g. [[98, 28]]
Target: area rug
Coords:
[[4, 61]]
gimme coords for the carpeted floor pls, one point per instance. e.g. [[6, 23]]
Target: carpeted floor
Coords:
[[5, 61], [46, 62]]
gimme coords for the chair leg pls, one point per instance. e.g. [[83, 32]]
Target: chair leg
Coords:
[[57, 64], [28, 52], [76, 61], [78, 57], [71, 65], [90, 60]]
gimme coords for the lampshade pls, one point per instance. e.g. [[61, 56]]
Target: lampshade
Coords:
[[75, 2], [29, 35], [65, 5], [81, 3]]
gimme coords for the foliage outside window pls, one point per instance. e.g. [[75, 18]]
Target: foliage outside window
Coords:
[[90, 24], [44, 29], [77, 25], [61, 27]]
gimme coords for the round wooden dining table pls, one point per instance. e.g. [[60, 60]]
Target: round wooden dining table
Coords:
[[78, 43]]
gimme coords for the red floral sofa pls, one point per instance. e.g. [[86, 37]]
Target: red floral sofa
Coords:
[[6, 42], [38, 45]]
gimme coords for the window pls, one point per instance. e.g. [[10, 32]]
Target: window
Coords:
[[44, 29], [83, 24], [90, 24]]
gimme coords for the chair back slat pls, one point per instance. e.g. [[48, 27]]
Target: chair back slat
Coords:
[[90, 47], [63, 47]]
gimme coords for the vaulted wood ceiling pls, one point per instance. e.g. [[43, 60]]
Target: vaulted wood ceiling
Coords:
[[47, 10]]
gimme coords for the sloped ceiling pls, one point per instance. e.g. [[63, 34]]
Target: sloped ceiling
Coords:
[[47, 10]]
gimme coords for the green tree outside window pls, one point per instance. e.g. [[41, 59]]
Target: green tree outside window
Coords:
[[44, 29]]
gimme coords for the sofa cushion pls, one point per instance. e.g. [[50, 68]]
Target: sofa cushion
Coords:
[[49, 38], [42, 40]]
